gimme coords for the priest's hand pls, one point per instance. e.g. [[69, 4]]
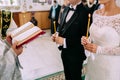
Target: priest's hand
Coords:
[[9, 39], [17, 50]]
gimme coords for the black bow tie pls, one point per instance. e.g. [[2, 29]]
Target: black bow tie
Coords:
[[72, 9]]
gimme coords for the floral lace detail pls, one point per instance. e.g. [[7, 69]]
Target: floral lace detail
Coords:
[[108, 50], [99, 22], [112, 21]]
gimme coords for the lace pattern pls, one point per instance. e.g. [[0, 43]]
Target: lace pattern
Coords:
[[111, 21], [98, 23]]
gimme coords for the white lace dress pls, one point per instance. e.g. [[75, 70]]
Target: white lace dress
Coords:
[[105, 64]]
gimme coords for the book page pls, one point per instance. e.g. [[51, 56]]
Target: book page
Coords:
[[27, 35], [21, 29]]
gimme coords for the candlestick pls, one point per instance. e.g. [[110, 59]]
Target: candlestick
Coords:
[[88, 25], [54, 26]]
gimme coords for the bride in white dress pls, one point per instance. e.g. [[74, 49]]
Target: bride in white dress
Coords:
[[103, 45]]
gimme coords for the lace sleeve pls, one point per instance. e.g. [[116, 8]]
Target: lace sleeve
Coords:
[[108, 50], [111, 50], [105, 31]]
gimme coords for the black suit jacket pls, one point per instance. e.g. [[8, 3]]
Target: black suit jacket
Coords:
[[73, 30]]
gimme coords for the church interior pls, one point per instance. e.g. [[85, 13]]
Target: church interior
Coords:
[[41, 59]]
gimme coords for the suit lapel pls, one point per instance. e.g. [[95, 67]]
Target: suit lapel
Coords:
[[72, 19], [67, 25], [64, 16]]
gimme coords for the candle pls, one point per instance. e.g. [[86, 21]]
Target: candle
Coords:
[[54, 26], [88, 25]]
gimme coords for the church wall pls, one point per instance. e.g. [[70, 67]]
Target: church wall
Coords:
[[22, 12], [31, 5]]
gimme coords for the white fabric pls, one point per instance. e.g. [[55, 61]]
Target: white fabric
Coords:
[[8, 67], [12, 27], [64, 43], [105, 32], [69, 15], [40, 58]]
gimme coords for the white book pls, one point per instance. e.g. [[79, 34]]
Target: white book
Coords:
[[25, 33]]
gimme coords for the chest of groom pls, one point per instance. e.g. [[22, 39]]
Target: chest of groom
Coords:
[[76, 26]]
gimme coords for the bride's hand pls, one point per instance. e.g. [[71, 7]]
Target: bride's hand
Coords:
[[91, 47]]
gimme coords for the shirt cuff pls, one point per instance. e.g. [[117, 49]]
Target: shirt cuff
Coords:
[[64, 43]]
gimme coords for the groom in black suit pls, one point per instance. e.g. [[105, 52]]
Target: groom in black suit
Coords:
[[73, 25]]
